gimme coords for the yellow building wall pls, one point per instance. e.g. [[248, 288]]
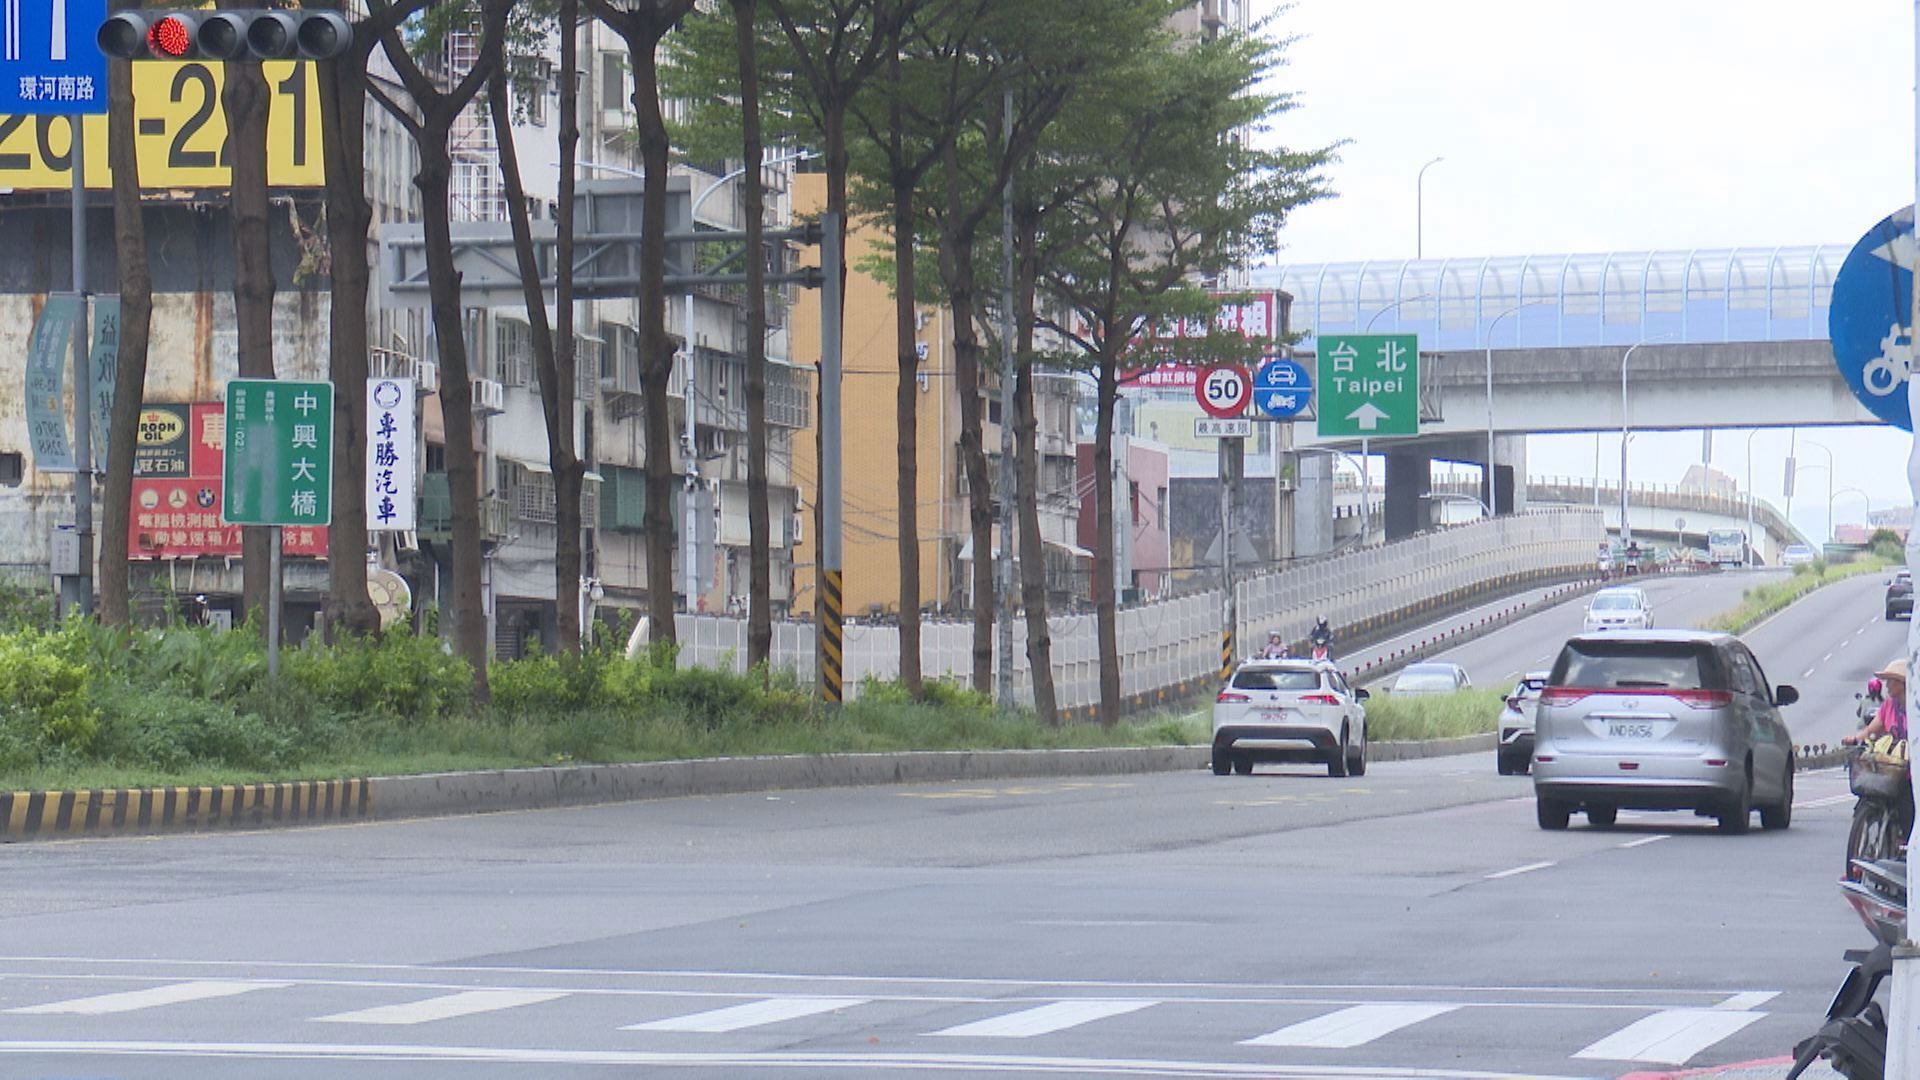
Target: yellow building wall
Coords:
[[870, 437]]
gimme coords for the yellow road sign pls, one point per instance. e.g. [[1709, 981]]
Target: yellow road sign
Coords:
[[181, 132]]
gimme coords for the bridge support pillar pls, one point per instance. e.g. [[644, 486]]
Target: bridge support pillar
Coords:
[[1509, 474], [1313, 527], [1409, 482]]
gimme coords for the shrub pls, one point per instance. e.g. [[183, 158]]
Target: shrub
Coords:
[[542, 682], [399, 675], [44, 704], [166, 729]]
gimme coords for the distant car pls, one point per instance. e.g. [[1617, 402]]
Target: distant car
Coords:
[[1290, 711], [1431, 677], [1900, 595], [1625, 607], [1515, 752], [1798, 555], [1662, 720]]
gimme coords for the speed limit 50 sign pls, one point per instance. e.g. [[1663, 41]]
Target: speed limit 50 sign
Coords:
[[1224, 390]]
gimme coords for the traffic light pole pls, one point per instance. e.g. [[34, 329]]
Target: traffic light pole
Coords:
[[828, 596]]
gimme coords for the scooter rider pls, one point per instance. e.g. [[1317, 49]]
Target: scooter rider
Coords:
[[1276, 647], [1322, 636], [1869, 706], [1605, 558]]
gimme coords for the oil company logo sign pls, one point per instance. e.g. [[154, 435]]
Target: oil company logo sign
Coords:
[[160, 427]]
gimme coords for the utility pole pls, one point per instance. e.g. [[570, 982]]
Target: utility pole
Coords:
[[82, 404], [1232, 455], [1903, 1021], [829, 596]]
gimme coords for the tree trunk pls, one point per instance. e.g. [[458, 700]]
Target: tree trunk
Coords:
[[343, 90], [759, 528], [553, 363], [569, 471], [456, 396], [956, 266], [1033, 556], [656, 356], [244, 97], [136, 313], [906, 402], [1106, 613]]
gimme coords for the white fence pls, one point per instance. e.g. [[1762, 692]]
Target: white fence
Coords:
[[1170, 642]]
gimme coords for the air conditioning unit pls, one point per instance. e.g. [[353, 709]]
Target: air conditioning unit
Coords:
[[799, 534], [428, 374], [489, 397]]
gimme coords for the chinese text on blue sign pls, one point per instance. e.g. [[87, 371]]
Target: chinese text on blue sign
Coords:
[[49, 64]]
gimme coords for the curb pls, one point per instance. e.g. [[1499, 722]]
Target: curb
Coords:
[[56, 814]]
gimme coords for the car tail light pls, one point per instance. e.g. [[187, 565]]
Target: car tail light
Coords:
[[1319, 699], [1548, 758], [1563, 695], [1702, 699], [1228, 697]]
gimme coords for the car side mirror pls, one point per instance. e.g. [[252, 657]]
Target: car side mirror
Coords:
[[1361, 695], [1785, 695]]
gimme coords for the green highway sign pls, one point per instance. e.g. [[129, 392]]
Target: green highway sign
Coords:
[[279, 467], [1369, 385]]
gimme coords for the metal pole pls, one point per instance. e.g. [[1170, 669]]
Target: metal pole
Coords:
[[1626, 530], [1491, 485], [1230, 613], [1366, 493], [1419, 206], [1004, 682], [690, 465], [1903, 1026], [82, 403], [273, 602], [829, 595], [1747, 556]]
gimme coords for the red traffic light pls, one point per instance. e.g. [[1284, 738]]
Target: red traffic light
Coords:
[[172, 37]]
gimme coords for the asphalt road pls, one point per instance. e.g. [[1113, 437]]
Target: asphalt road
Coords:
[[1411, 923]]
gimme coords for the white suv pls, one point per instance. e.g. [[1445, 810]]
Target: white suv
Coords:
[[1289, 711]]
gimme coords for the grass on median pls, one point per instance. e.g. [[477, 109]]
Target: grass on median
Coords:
[[1411, 717], [1760, 601]]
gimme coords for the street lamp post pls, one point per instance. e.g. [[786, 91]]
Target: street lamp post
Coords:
[[1419, 206], [1751, 547], [1829, 454], [1514, 310], [1626, 527], [1865, 499]]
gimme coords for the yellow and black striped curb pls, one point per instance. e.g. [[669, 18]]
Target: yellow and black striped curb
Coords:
[[28, 814]]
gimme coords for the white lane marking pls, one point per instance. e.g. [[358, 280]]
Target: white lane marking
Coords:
[[1831, 800], [784, 1060], [1827, 658], [1527, 869], [132, 1000], [1672, 1037], [444, 1007], [1161, 987], [1752, 999], [1645, 840], [1351, 1027], [1807, 673], [1044, 1019], [737, 1017]]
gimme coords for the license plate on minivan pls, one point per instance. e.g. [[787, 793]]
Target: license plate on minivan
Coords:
[[1629, 730]]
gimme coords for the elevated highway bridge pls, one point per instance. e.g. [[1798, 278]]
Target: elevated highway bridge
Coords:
[[1718, 339]]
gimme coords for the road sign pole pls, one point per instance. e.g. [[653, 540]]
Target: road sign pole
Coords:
[[273, 602], [82, 405], [1366, 493], [1230, 451]]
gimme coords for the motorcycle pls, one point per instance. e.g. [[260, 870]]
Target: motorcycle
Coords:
[[1606, 568], [1321, 651], [1854, 1038], [1882, 811]]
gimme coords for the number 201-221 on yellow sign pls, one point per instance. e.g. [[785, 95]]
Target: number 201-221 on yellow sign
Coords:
[[180, 130]]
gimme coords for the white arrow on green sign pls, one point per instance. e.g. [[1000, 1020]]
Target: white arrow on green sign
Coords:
[[1369, 385]]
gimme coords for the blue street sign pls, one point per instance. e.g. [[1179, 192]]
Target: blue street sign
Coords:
[[1282, 389], [1870, 316], [48, 60]]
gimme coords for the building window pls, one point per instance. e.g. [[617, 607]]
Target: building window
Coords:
[[613, 82], [512, 352]]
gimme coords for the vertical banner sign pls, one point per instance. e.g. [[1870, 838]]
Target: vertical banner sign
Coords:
[[391, 500], [279, 466], [46, 382], [102, 366]]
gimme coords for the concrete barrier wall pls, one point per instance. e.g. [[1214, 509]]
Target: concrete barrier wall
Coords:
[[1169, 647]]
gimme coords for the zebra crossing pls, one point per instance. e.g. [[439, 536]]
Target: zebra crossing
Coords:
[[1654, 1028]]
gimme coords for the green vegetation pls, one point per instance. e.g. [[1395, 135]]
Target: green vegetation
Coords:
[[1412, 717], [1761, 601], [83, 706]]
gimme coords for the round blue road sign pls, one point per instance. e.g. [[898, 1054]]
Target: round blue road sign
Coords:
[[1868, 322], [1282, 389]]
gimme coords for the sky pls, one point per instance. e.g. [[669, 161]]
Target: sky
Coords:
[[1631, 125]]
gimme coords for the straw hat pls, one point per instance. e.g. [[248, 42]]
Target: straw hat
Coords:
[[1894, 670]]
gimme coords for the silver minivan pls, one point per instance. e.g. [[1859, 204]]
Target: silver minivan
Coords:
[[1662, 720]]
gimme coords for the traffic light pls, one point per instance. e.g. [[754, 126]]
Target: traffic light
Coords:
[[225, 35]]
